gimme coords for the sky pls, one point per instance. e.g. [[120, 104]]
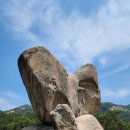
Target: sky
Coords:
[[76, 32]]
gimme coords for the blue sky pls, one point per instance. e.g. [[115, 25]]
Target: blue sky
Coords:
[[76, 32]]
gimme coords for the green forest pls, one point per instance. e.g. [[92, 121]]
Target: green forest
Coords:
[[23, 116], [112, 121], [17, 118]]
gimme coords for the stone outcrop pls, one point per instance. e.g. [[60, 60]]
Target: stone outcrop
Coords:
[[63, 118], [85, 95], [88, 122], [48, 84], [45, 80]]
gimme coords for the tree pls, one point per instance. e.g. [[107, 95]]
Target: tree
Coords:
[[12, 121], [111, 121]]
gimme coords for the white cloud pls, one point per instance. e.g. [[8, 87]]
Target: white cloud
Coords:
[[23, 15], [75, 38], [103, 61], [117, 94], [11, 94], [2, 101], [116, 70], [9, 100], [5, 104], [8, 107]]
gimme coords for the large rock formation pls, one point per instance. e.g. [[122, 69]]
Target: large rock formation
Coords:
[[48, 84], [45, 80]]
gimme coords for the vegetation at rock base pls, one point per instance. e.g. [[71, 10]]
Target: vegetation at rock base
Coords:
[[18, 118], [113, 116], [111, 119]]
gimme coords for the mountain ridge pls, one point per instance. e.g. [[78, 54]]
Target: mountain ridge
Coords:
[[105, 107]]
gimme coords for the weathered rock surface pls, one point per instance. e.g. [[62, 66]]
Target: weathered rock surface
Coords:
[[88, 122], [85, 84], [38, 127], [45, 80], [63, 118], [48, 84]]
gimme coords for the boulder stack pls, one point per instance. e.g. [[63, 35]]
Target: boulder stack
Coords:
[[48, 84]]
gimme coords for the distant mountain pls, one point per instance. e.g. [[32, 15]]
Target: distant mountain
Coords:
[[108, 106], [21, 110], [105, 107]]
